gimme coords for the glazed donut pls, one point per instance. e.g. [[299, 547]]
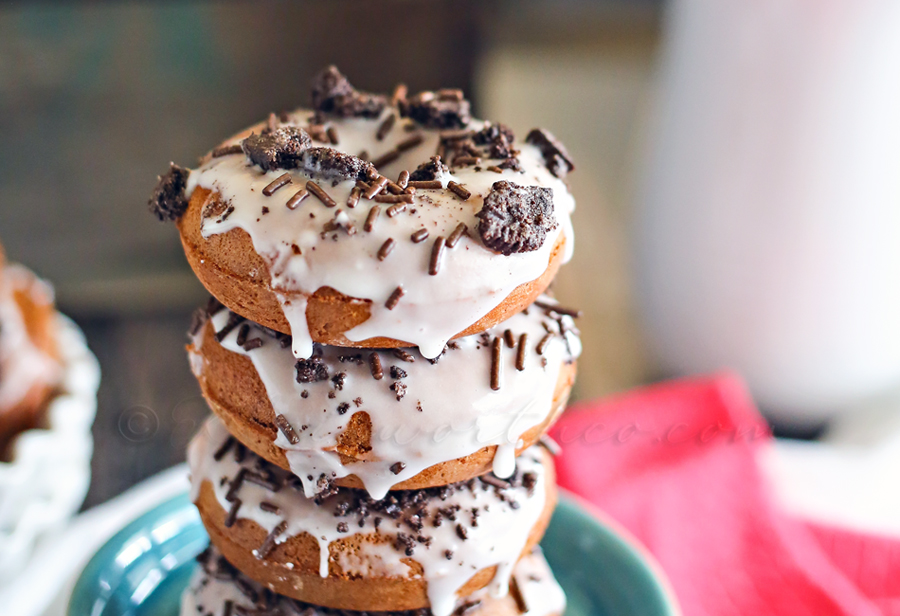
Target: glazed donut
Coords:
[[388, 418], [30, 367], [376, 227], [216, 585], [342, 549]]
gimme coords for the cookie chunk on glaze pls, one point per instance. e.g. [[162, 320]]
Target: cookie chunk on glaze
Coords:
[[429, 171], [516, 218], [332, 93], [333, 165], [555, 155], [443, 109], [168, 201], [280, 148]]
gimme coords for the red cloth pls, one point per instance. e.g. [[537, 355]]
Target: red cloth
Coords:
[[676, 465]]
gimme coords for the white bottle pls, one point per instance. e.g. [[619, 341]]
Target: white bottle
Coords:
[[768, 232]]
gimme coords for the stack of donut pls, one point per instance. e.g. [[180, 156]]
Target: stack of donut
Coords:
[[380, 357]]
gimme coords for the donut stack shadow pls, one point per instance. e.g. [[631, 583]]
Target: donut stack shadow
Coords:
[[377, 439]]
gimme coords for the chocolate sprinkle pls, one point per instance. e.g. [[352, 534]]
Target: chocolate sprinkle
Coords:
[[570, 312], [386, 249], [397, 208], [385, 127], [198, 320], [403, 355], [372, 217], [270, 508], [458, 232], [403, 179], [253, 343], [388, 157], [555, 155], [509, 338], [231, 518], [419, 236], [394, 299], [426, 184], [320, 194], [213, 306], [353, 199], [493, 480], [459, 190], [516, 218], [332, 135], [437, 255], [277, 149], [286, 429], [543, 343], [516, 593], [223, 449], [496, 366], [521, 352], [376, 187], [282, 180], [397, 467], [168, 201], [410, 142], [294, 202], [233, 321], [269, 544], [401, 199], [375, 366]]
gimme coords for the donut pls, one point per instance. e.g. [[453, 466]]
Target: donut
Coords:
[[387, 224], [385, 419], [30, 366], [218, 588], [345, 550]]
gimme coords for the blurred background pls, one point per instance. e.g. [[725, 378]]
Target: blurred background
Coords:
[[703, 243]]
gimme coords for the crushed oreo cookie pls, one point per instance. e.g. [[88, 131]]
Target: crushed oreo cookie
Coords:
[[333, 94], [168, 201], [516, 218], [429, 171], [498, 138], [311, 370], [329, 164], [438, 110], [277, 149], [555, 155]]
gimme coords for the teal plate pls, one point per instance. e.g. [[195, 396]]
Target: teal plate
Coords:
[[144, 568]]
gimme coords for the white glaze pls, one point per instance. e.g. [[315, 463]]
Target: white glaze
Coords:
[[473, 280], [498, 539], [208, 594], [460, 413], [22, 364]]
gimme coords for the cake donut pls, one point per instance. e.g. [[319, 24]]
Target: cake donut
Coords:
[[220, 589], [375, 221], [345, 550], [385, 419], [30, 366]]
